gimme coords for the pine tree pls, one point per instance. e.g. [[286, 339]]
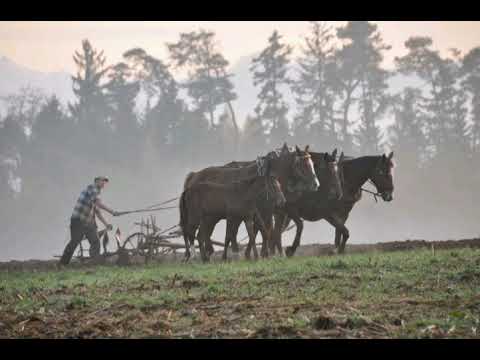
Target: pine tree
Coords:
[[254, 140], [209, 83], [122, 91], [373, 104], [407, 132], [314, 89], [13, 143], [471, 81], [163, 115], [445, 105], [358, 67], [91, 109], [270, 72]]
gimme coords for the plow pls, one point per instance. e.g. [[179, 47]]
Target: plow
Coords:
[[148, 242]]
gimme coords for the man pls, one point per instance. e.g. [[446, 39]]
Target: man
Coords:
[[82, 222]]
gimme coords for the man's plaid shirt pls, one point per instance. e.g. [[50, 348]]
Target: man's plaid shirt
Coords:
[[84, 209]]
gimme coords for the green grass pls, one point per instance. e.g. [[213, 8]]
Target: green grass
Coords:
[[398, 294]]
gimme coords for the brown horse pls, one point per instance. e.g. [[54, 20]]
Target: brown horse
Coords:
[[354, 173], [202, 202], [325, 166], [287, 166]]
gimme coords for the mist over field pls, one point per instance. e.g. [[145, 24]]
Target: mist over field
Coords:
[[147, 121]]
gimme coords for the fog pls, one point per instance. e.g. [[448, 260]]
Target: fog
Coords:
[[433, 127]]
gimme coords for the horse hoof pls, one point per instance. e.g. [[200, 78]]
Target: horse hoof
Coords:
[[289, 252]]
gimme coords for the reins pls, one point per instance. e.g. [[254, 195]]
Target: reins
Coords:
[[342, 179]]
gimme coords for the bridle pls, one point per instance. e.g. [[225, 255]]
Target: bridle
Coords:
[[375, 194], [299, 170], [341, 175]]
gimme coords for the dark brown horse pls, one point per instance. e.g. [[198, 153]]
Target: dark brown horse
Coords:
[[325, 166], [287, 166], [354, 173], [202, 202]]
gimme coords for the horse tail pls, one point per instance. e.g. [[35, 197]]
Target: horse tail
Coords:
[[183, 212], [188, 179]]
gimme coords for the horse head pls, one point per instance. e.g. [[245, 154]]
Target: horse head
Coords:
[[382, 176], [328, 174], [304, 170], [293, 166]]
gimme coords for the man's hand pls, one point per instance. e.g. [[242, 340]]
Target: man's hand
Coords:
[[115, 213]]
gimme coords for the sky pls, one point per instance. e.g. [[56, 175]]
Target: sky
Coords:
[[48, 46]]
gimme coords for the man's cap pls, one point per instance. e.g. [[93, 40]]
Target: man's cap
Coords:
[[101, 178]]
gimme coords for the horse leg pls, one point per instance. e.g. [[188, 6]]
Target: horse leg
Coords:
[[208, 226], [230, 234], [189, 238], [186, 238], [265, 230], [278, 237], [257, 228], [201, 241], [338, 237], [251, 236], [233, 239], [340, 227], [272, 238], [277, 232], [249, 245], [346, 235], [267, 235], [290, 250], [235, 225]]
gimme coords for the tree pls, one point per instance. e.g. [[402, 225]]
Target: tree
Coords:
[[471, 81], [358, 66], [209, 83], [445, 105], [270, 72], [253, 138], [122, 91], [49, 158], [407, 132], [164, 112], [24, 105], [91, 110], [314, 88], [374, 102], [12, 147]]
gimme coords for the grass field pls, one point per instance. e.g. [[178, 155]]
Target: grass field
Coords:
[[375, 295]]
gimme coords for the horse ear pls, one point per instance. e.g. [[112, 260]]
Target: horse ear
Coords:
[[306, 148], [334, 153], [284, 148], [390, 156], [298, 149], [341, 157]]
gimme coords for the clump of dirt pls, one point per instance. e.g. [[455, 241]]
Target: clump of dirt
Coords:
[[324, 323]]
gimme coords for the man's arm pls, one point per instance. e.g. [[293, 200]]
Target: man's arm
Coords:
[[102, 219], [104, 207]]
